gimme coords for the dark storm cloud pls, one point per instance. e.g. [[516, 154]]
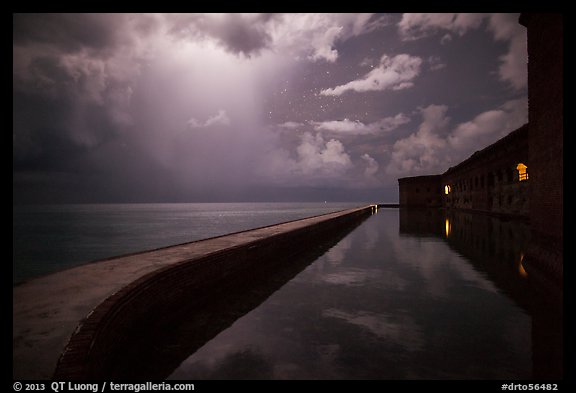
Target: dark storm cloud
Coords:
[[70, 88], [68, 32], [236, 33], [59, 125], [42, 140]]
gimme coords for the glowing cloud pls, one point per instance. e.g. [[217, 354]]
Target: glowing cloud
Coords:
[[393, 73]]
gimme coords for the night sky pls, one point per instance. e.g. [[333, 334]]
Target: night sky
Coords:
[[256, 107]]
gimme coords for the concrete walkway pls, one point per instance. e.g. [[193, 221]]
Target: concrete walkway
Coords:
[[47, 310]]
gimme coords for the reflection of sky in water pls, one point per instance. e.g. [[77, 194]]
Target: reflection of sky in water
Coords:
[[377, 305]]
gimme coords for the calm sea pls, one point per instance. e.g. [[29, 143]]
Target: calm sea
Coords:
[[49, 238]]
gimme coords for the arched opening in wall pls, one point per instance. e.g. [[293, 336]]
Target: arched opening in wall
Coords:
[[522, 171], [509, 175]]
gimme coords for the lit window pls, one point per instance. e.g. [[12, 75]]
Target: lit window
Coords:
[[521, 270], [522, 173], [447, 189]]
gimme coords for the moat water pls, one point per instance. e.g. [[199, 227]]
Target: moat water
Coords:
[[408, 294]]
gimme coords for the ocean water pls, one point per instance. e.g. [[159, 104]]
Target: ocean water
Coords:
[[49, 238]]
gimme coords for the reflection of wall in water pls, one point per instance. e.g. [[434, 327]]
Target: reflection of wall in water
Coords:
[[421, 222], [497, 248], [491, 245]]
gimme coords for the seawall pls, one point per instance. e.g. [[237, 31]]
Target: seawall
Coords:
[[75, 324]]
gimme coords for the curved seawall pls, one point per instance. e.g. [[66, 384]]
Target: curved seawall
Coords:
[[78, 323]]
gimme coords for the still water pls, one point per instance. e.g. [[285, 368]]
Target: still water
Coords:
[[408, 294]]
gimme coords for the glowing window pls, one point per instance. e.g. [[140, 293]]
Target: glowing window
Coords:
[[521, 270], [522, 173], [447, 189]]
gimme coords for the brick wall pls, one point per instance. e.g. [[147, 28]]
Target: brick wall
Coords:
[[488, 181], [420, 191], [545, 96]]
